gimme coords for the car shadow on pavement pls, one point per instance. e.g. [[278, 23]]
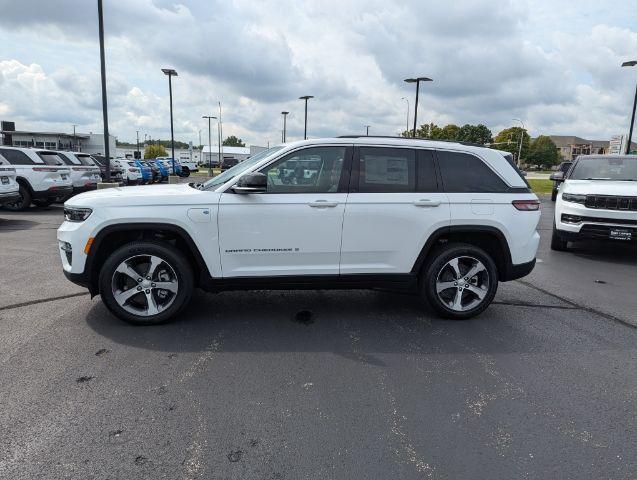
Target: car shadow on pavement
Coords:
[[11, 224], [604, 252], [358, 325]]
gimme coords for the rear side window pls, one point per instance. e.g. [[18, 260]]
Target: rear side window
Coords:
[[50, 158], [66, 159], [426, 172], [389, 170], [85, 160], [464, 173], [16, 157]]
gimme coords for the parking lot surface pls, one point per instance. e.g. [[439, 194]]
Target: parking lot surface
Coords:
[[276, 385]]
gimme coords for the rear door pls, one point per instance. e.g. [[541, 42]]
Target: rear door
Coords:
[[295, 227], [394, 205]]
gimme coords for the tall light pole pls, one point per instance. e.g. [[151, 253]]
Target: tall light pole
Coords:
[[140, 156], [407, 123], [171, 73], [632, 63], [220, 134], [367, 129], [100, 17], [417, 81], [285, 114], [209, 117], [74, 139], [306, 98], [521, 139]]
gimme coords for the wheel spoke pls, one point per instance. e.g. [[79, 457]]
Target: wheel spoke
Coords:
[[126, 269], [457, 301], [123, 295], [154, 263], [479, 292], [453, 263], [170, 286], [153, 308], [477, 268], [440, 286]]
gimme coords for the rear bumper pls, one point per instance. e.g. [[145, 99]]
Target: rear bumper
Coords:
[[52, 194], [518, 271], [85, 188], [9, 197]]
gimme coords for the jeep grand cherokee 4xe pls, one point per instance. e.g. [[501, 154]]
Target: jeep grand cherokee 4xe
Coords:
[[443, 220], [597, 200]]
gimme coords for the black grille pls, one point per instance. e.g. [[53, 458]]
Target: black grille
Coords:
[[609, 202]]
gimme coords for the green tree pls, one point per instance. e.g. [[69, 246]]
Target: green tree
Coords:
[[475, 133], [154, 151], [233, 141], [509, 140], [543, 152]]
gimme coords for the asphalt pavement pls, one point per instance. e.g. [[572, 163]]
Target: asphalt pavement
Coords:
[[316, 385]]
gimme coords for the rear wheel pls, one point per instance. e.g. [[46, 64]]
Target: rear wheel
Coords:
[[146, 283], [22, 203], [460, 281], [185, 172]]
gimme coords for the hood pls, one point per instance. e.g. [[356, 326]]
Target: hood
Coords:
[[151, 195], [601, 187]]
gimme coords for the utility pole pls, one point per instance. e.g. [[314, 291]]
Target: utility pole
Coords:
[[104, 105]]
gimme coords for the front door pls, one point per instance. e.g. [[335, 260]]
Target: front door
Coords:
[[295, 227]]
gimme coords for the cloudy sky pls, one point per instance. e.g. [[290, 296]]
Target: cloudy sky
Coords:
[[555, 64]]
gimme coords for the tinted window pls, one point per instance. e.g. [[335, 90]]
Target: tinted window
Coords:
[[16, 157], [50, 158], [67, 160], [426, 172], [462, 172], [85, 160], [311, 170], [386, 170]]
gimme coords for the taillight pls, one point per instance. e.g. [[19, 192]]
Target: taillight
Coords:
[[83, 169], [526, 205], [44, 169], [133, 170]]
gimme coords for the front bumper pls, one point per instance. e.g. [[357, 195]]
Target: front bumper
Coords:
[[593, 224]]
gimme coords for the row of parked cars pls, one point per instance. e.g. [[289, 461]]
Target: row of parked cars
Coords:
[[40, 177]]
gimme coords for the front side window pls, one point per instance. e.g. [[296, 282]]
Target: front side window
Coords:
[[386, 170], [466, 173], [16, 157], [311, 170]]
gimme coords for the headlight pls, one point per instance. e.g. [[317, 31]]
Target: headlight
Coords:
[[574, 198], [76, 214]]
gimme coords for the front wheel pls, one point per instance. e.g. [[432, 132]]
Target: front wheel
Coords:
[[557, 242], [146, 283], [554, 194], [460, 281], [185, 172]]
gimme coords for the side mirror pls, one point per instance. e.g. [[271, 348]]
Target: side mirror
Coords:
[[557, 176], [254, 182]]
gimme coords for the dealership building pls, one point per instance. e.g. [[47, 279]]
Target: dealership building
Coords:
[[81, 142]]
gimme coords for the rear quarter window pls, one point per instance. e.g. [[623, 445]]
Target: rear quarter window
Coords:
[[466, 173], [50, 158]]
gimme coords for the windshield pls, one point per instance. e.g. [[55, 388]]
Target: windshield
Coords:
[[241, 167], [605, 168]]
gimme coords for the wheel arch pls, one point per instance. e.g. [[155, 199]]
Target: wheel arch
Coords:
[[112, 237], [490, 239], [25, 183]]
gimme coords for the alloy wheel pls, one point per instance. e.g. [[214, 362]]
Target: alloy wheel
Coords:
[[462, 283]]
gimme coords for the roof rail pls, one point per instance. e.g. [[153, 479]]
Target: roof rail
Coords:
[[469, 144]]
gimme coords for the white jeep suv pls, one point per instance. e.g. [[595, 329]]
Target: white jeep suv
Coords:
[[597, 200], [42, 177], [85, 174], [446, 221]]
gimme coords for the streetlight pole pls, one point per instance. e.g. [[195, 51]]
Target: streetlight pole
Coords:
[[140, 156], [285, 114], [209, 142], [521, 139], [632, 63], [100, 17], [220, 133], [407, 123], [417, 81], [171, 73], [74, 139], [367, 129], [306, 98]]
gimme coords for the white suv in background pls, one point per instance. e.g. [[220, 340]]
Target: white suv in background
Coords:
[[131, 174], [84, 173], [42, 177], [9, 188], [597, 200], [446, 221]]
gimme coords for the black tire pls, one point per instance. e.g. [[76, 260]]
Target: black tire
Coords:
[[557, 242], [437, 267], [23, 203], [169, 254], [42, 203], [185, 172], [554, 194]]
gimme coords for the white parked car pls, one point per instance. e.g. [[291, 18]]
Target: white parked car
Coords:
[[597, 199], [131, 174], [188, 166], [445, 221], [85, 174], [9, 188], [42, 177]]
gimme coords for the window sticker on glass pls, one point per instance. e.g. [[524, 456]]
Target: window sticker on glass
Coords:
[[386, 170]]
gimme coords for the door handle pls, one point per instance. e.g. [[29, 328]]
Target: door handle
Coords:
[[322, 204], [425, 202]]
